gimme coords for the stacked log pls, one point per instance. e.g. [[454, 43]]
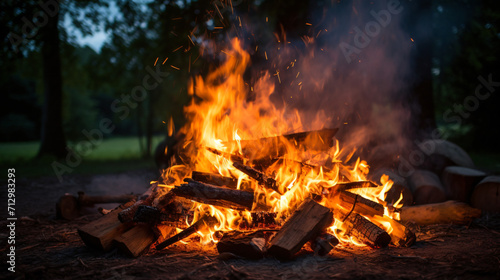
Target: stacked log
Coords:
[[162, 216], [426, 187], [486, 195], [459, 182]]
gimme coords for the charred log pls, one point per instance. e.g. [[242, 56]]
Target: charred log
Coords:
[[203, 223], [261, 178], [217, 196], [365, 231]]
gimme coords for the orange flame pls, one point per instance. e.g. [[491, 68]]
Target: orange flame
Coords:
[[231, 111]]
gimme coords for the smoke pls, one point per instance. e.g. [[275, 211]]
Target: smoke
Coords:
[[349, 67], [351, 70]]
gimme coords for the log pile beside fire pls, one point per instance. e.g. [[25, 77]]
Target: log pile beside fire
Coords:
[[164, 215]]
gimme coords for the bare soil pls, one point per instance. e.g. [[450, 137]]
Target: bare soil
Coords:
[[47, 248]]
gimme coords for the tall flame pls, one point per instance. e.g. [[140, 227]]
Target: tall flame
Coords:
[[228, 114]]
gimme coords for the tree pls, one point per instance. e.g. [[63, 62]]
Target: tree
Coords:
[[53, 141], [34, 26]]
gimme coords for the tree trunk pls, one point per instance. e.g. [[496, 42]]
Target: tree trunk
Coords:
[[150, 124], [53, 141]]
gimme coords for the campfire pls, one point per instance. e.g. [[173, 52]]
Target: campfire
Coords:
[[253, 180]]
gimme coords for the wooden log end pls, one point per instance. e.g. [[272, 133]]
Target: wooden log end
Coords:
[[486, 195], [99, 234], [248, 245], [308, 221], [135, 241]]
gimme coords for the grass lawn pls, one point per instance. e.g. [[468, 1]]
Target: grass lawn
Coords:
[[122, 154], [118, 154]]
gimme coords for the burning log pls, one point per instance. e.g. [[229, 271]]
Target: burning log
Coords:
[[344, 186], [401, 235], [232, 157], [440, 213], [459, 182], [324, 243], [250, 245], [316, 139], [266, 162], [364, 231], [214, 179], [218, 180], [163, 232], [486, 195], [263, 219], [201, 224], [101, 232], [153, 216], [261, 178], [358, 204], [218, 196], [146, 198], [310, 219], [134, 241], [426, 187]]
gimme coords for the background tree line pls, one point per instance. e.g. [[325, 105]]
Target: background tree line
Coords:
[[53, 87]]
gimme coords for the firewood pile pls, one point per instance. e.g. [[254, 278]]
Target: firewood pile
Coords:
[[243, 215], [438, 170]]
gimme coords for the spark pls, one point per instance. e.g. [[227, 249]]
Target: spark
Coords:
[[196, 58], [156, 61], [218, 27], [412, 39], [222, 51], [177, 49], [165, 61], [171, 126], [265, 53], [318, 33], [176, 68], [190, 39], [307, 23], [267, 19], [298, 73], [221, 17]]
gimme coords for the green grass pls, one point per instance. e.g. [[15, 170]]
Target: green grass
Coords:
[[113, 155]]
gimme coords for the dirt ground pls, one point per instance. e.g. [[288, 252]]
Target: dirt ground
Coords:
[[47, 248]]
